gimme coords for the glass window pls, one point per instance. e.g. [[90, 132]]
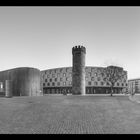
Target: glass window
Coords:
[[96, 83], [64, 83], [48, 84], [102, 83], [55, 79], [64, 74], [53, 84], [95, 74], [50, 80], [45, 80], [70, 83], [89, 83], [58, 83], [98, 78], [92, 78]]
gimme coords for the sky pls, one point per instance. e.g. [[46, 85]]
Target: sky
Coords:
[[43, 37]]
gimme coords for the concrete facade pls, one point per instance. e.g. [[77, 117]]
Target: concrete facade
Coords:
[[78, 70], [134, 85], [25, 81]]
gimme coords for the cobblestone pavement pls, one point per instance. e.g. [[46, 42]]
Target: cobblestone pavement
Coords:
[[69, 115]]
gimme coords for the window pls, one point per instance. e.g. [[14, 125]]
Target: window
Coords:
[[86, 78], [58, 83], [48, 84], [45, 80], [118, 84], [53, 84], [53, 75], [64, 83], [92, 78], [70, 74], [64, 74], [98, 78], [92, 70], [58, 74], [60, 70], [48, 76], [89, 73], [60, 79], [70, 83], [95, 83], [50, 80], [107, 83], [102, 74], [67, 79], [89, 83], [102, 83], [67, 69], [95, 74], [55, 79], [122, 84], [44, 84]]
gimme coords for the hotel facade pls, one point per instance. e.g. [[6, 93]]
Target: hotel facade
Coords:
[[59, 81]]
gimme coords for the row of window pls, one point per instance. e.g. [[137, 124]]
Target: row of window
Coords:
[[89, 83], [58, 84], [70, 74], [67, 79]]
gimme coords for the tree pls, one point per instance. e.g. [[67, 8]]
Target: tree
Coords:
[[113, 74]]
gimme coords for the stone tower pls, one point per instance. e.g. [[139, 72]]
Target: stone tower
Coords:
[[78, 70]]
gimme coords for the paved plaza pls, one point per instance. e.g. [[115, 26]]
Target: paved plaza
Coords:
[[59, 114]]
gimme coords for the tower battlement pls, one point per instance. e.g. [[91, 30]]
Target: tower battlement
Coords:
[[79, 49]]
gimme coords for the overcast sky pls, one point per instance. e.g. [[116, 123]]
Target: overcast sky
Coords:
[[43, 37]]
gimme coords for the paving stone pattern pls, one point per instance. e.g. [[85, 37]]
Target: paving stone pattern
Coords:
[[69, 115]]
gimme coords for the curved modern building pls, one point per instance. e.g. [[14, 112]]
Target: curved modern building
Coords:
[[25, 81], [59, 80]]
